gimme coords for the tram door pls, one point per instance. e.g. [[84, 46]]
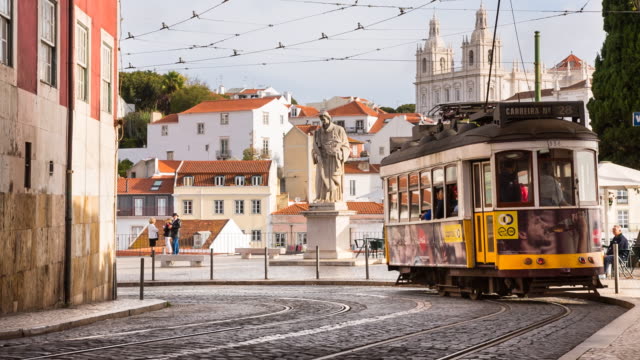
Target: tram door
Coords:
[[483, 213]]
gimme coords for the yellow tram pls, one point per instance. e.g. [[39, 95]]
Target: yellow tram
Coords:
[[496, 199]]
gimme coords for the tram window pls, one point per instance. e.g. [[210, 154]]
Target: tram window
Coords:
[[414, 181], [514, 179], [425, 186], [414, 205], [403, 183], [477, 196], [488, 189], [425, 179], [392, 184], [556, 177], [451, 192], [438, 177], [404, 206], [438, 206], [586, 176], [393, 207]]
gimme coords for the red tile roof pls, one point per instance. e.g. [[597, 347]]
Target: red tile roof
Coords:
[[228, 105], [307, 110], [354, 141], [250, 91], [362, 207], [128, 186], [168, 166], [171, 118], [383, 119], [360, 167], [204, 172], [574, 61], [308, 129], [353, 108]]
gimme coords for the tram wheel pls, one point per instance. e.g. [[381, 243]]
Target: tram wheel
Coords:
[[475, 294]]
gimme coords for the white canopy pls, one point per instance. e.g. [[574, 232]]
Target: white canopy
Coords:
[[611, 175]]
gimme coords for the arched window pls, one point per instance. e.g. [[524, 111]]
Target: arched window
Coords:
[[470, 94], [490, 55], [442, 64], [424, 65], [470, 57]]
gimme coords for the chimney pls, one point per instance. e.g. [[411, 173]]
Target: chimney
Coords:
[[221, 89], [287, 96], [155, 116]]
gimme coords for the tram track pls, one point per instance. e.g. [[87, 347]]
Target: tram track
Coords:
[[342, 308]]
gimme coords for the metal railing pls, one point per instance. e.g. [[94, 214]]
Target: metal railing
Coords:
[[146, 211]]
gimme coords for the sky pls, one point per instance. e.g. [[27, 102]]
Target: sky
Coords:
[[278, 42]]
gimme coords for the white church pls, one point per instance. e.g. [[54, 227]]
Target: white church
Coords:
[[440, 81]]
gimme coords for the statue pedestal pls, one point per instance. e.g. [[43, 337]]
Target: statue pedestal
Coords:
[[328, 228]]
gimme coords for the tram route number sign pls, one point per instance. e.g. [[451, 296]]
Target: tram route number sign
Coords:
[[506, 225], [636, 119]]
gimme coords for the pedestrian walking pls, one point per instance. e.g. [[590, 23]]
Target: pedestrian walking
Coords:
[[153, 233], [167, 236], [175, 233]]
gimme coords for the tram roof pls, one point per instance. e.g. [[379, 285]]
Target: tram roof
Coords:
[[503, 122]]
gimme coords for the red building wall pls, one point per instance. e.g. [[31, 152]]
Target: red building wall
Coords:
[[27, 46]]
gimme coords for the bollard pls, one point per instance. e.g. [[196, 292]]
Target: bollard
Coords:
[[153, 264], [211, 268], [266, 263], [366, 257], [141, 278], [615, 266], [317, 262]]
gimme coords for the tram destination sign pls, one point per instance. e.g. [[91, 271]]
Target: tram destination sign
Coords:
[[509, 112]]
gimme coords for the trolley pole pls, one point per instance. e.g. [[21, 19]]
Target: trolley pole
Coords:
[[536, 65], [211, 267], [266, 263], [366, 257], [317, 262], [142, 278], [615, 267], [153, 264]]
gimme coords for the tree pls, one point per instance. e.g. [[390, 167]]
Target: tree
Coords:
[[124, 166], [406, 108], [135, 130], [172, 82], [142, 88], [250, 153], [191, 95], [388, 110], [615, 85]]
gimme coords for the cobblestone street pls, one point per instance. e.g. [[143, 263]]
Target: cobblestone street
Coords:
[[296, 322]]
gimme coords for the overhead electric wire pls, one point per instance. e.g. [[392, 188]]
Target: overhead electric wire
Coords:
[[519, 48], [493, 55]]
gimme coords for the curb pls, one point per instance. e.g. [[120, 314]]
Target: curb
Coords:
[[25, 332], [262, 282]]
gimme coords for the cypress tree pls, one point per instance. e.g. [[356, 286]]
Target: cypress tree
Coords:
[[616, 84]]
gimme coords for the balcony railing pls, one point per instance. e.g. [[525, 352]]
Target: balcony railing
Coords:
[[223, 154], [146, 211]]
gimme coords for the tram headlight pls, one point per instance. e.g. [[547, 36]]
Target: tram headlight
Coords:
[[581, 260], [540, 261], [590, 259], [528, 261]]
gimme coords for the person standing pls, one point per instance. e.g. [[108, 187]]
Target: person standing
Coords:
[[175, 233], [167, 236], [153, 233], [623, 248], [330, 151]]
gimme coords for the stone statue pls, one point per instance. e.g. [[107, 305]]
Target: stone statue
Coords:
[[330, 151]]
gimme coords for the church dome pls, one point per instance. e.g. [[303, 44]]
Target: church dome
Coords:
[[481, 32]]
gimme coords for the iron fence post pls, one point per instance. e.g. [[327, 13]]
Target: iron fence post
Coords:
[[366, 256], [211, 267], [317, 262], [266, 263], [153, 264], [142, 278], [615, 266]]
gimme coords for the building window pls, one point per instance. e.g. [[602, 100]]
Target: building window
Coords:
[[470, 57], [457, 92], [265, 147], [219, 180], [424, 65], [490, 56], [256, 180], [256, 206], [6, 35], [340, 123], [280, 239], [224, 147], [239, 206], [623, 218], [224, 119], [164, 130], [187, 207], [218, 206], [82, 60], [200, 128], [239, 180], [301, 238], [107, 70], [156, 185], [622, 197], [470, 94], [352, 187], [381, 150], [265, 118], [447, 94], [359, 126], [256, 235], [436, 96], [48, 28], [187, 181], [169, 155], [281, 119], [138, 204], [443, 64], [424, 99], [162, 206], [27, 165]]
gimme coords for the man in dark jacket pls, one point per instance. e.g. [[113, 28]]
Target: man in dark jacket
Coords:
[[623, 248], [175, 233]]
